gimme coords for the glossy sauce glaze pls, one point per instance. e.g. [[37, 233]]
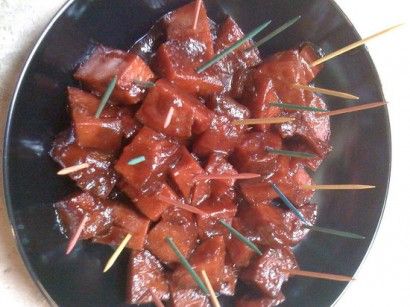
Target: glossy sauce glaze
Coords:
[[199, 140]]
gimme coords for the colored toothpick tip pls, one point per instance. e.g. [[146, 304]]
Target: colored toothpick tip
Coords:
[[233, 47], [136, 160], [325, 91], [177, 204], [73, 241], [290, 153], [262, 121], [106, 96], [169, 117], [352, 46], [241, 237], [212, 294], [337, 187], [144, 84], [197, 10], [184, 262], [117, 252], [333, 277], [226, 176], [354, 109], [334, 232], [72, 169]]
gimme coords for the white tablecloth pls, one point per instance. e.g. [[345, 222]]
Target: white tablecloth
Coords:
[[383, 278]]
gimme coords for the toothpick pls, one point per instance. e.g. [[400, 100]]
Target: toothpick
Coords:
[[197, 10], [73, 241], [325, 91], [226, 176], [181, 206], [169, 117], [337, 187], [353, 109], [351, 46], [117, 252], [212, 295], [155, 298], [318, 275], [262, 121], [72, 169]]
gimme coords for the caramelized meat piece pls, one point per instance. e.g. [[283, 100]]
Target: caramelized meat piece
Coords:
[[103, 134], [126, 221], [239, 253], [105, 63], [208, 224], [188, 298], [221, 136], [158, 151], [98, 179], [251, 156], [184, 173], [260, 301], [294, 226], [265, 272], [190, 115], [179, 225], [178, 61], [209, 256], [217, 164], [229, 280], [146, 272], [72, 210], [179, 27], [309, 54]]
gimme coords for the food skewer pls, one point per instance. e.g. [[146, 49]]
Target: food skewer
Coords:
[[354, 109], [175, 203], [208, 284], [290, 153], [117, 252], [136, 160], [73, 169], [73, 241], [337, 187], [241, 237], [227, 176], [311, 274], [155, 298], [197, 10], [169, 117], [144, 84], [352, 46], [106, 96], [291, 106], [325, 91], [262, 121], [184, 262]]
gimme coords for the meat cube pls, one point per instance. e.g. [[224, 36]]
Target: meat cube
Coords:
[[72, 210], [294, 226], [217, 164], [209, 256], [158, 151], [190, 115], [178, 61], [221, 136], [105, 63], [103, 134], [180, 226], [98, 179], [229, 281], [249, 301], [188, 298], [251, 156], [243, 57], [215, 210], [239, 253], [146, 272], [308, 53], [179, 27], [184, 173], [265, 273]]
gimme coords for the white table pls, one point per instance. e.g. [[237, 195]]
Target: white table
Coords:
[[383, 278]]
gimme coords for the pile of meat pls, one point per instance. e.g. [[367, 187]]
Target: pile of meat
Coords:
[[119, 198]]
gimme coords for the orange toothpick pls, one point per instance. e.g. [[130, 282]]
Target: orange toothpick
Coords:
[[212, 294], [353, 109], [197, 10], [72, 169], [177, 204], [227, 176], [337, 187], [325, 91], [334, 277], [73, 241]]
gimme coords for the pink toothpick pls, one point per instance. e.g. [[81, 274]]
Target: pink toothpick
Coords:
[[197, 9], [74, 239]]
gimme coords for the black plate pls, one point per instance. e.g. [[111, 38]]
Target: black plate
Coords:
[[38, 112]]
